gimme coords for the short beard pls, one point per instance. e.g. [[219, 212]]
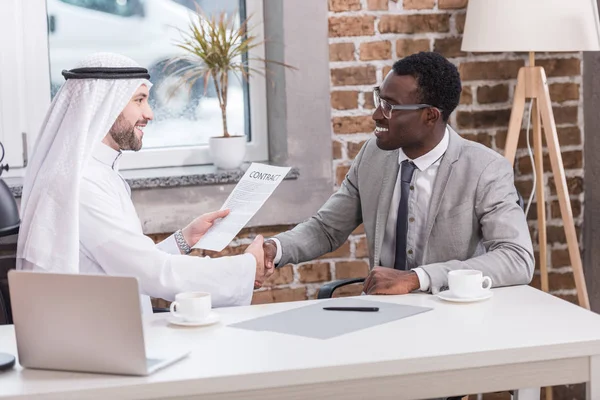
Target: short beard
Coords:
[[123, 133]]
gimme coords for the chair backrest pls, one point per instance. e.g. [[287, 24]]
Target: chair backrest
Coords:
[[6, 264], [8, 261]]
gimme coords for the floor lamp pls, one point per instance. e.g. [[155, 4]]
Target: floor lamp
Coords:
[[537, 26]]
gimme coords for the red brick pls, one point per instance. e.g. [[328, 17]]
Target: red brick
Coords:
[[354, 148], [341, 252], [341, 52], [282, 276], [351, 269], [492, 94], [362, 248], [569, 135], [352, 26], [490, 70], [318, 272], [571, 298], [365, 75], [449, 47], [418, 4], [565, 115], [369, 102], [406, 47], [560, 92], [560, 67], [449, 4], [353, 124], [482, 119], [340, 173], [575, 209], [337, 150], [344, 100], [378, 5], [460, 22], [483, 138], [381, 50], [466, 96], [279, 295], [571, 160], [574, 185], [556, 234], [556, 281], [344, 5], [414, 23]]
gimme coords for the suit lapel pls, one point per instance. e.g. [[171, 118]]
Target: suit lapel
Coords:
[[391, 167], [439, 187]]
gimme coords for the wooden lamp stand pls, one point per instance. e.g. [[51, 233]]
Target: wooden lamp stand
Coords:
[[531, 84]]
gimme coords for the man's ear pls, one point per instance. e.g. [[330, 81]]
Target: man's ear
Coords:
[[432, 116]]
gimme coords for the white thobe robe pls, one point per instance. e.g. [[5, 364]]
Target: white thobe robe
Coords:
[[111, 242]]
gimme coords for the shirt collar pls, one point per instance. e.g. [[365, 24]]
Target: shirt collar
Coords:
[[107, 155], [428, 159]]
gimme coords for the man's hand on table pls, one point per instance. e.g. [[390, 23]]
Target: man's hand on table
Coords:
[[383, 280]]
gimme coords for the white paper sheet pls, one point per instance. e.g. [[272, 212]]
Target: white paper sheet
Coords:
[[248, 196]]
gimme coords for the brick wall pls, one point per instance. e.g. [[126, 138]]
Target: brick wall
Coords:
[[365, 38]]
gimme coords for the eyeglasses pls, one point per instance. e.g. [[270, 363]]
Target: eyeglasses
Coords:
[[387, 108]]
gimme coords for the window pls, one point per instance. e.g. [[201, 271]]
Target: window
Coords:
[[144, 30]]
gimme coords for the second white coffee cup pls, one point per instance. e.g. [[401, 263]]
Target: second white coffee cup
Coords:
[[467, 283], [191, 306]]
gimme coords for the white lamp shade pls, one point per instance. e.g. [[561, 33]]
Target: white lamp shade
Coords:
[[531, 25]]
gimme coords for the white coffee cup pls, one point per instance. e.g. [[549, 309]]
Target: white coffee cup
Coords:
[[191, 306], [467, 283]]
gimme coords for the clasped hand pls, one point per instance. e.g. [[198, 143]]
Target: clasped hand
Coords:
[[198, 228]]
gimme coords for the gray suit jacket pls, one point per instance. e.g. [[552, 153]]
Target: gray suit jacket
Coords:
[[474, 220]]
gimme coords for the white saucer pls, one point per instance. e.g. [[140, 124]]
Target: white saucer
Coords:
[[212, 318], [446, 295]]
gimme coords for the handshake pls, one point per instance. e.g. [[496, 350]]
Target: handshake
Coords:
[[264, 253]]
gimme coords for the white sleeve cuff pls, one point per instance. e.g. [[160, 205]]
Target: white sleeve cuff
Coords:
[[279, 251], [424, 279], [169, 245]]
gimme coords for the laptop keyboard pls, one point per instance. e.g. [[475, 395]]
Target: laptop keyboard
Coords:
[[151, 362]]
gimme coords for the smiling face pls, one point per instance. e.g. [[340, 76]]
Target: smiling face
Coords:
[[127, 131], [411, 130]]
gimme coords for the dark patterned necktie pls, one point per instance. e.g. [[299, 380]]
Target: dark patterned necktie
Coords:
[[406, 173]]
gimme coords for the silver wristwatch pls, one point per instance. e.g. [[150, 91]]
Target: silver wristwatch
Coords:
[[181, 243]]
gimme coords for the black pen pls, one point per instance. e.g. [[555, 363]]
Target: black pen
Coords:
[[351, 308]]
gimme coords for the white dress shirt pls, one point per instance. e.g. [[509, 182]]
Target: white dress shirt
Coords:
[[418, 211], [112, 242]]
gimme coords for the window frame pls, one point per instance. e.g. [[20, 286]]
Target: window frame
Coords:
[[25, 96]]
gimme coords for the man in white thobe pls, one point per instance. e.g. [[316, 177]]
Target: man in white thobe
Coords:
[[77, 213]]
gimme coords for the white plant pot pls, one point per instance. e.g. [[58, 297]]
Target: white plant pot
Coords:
[[227, 152]]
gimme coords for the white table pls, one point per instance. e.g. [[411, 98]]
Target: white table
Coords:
[[519, 338]]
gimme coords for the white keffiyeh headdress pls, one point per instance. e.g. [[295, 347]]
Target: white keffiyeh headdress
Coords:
[[80, 115]]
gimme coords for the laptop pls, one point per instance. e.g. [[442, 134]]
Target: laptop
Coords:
[[83, 323]]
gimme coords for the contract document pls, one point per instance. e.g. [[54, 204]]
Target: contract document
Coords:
[[248, 196]]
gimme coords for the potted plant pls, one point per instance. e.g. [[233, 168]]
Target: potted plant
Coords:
[[214, 47]]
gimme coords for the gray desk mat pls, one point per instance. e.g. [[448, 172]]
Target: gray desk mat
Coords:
[[314, 322]]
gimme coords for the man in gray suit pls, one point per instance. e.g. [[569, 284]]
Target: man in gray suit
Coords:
[[430, 201]]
